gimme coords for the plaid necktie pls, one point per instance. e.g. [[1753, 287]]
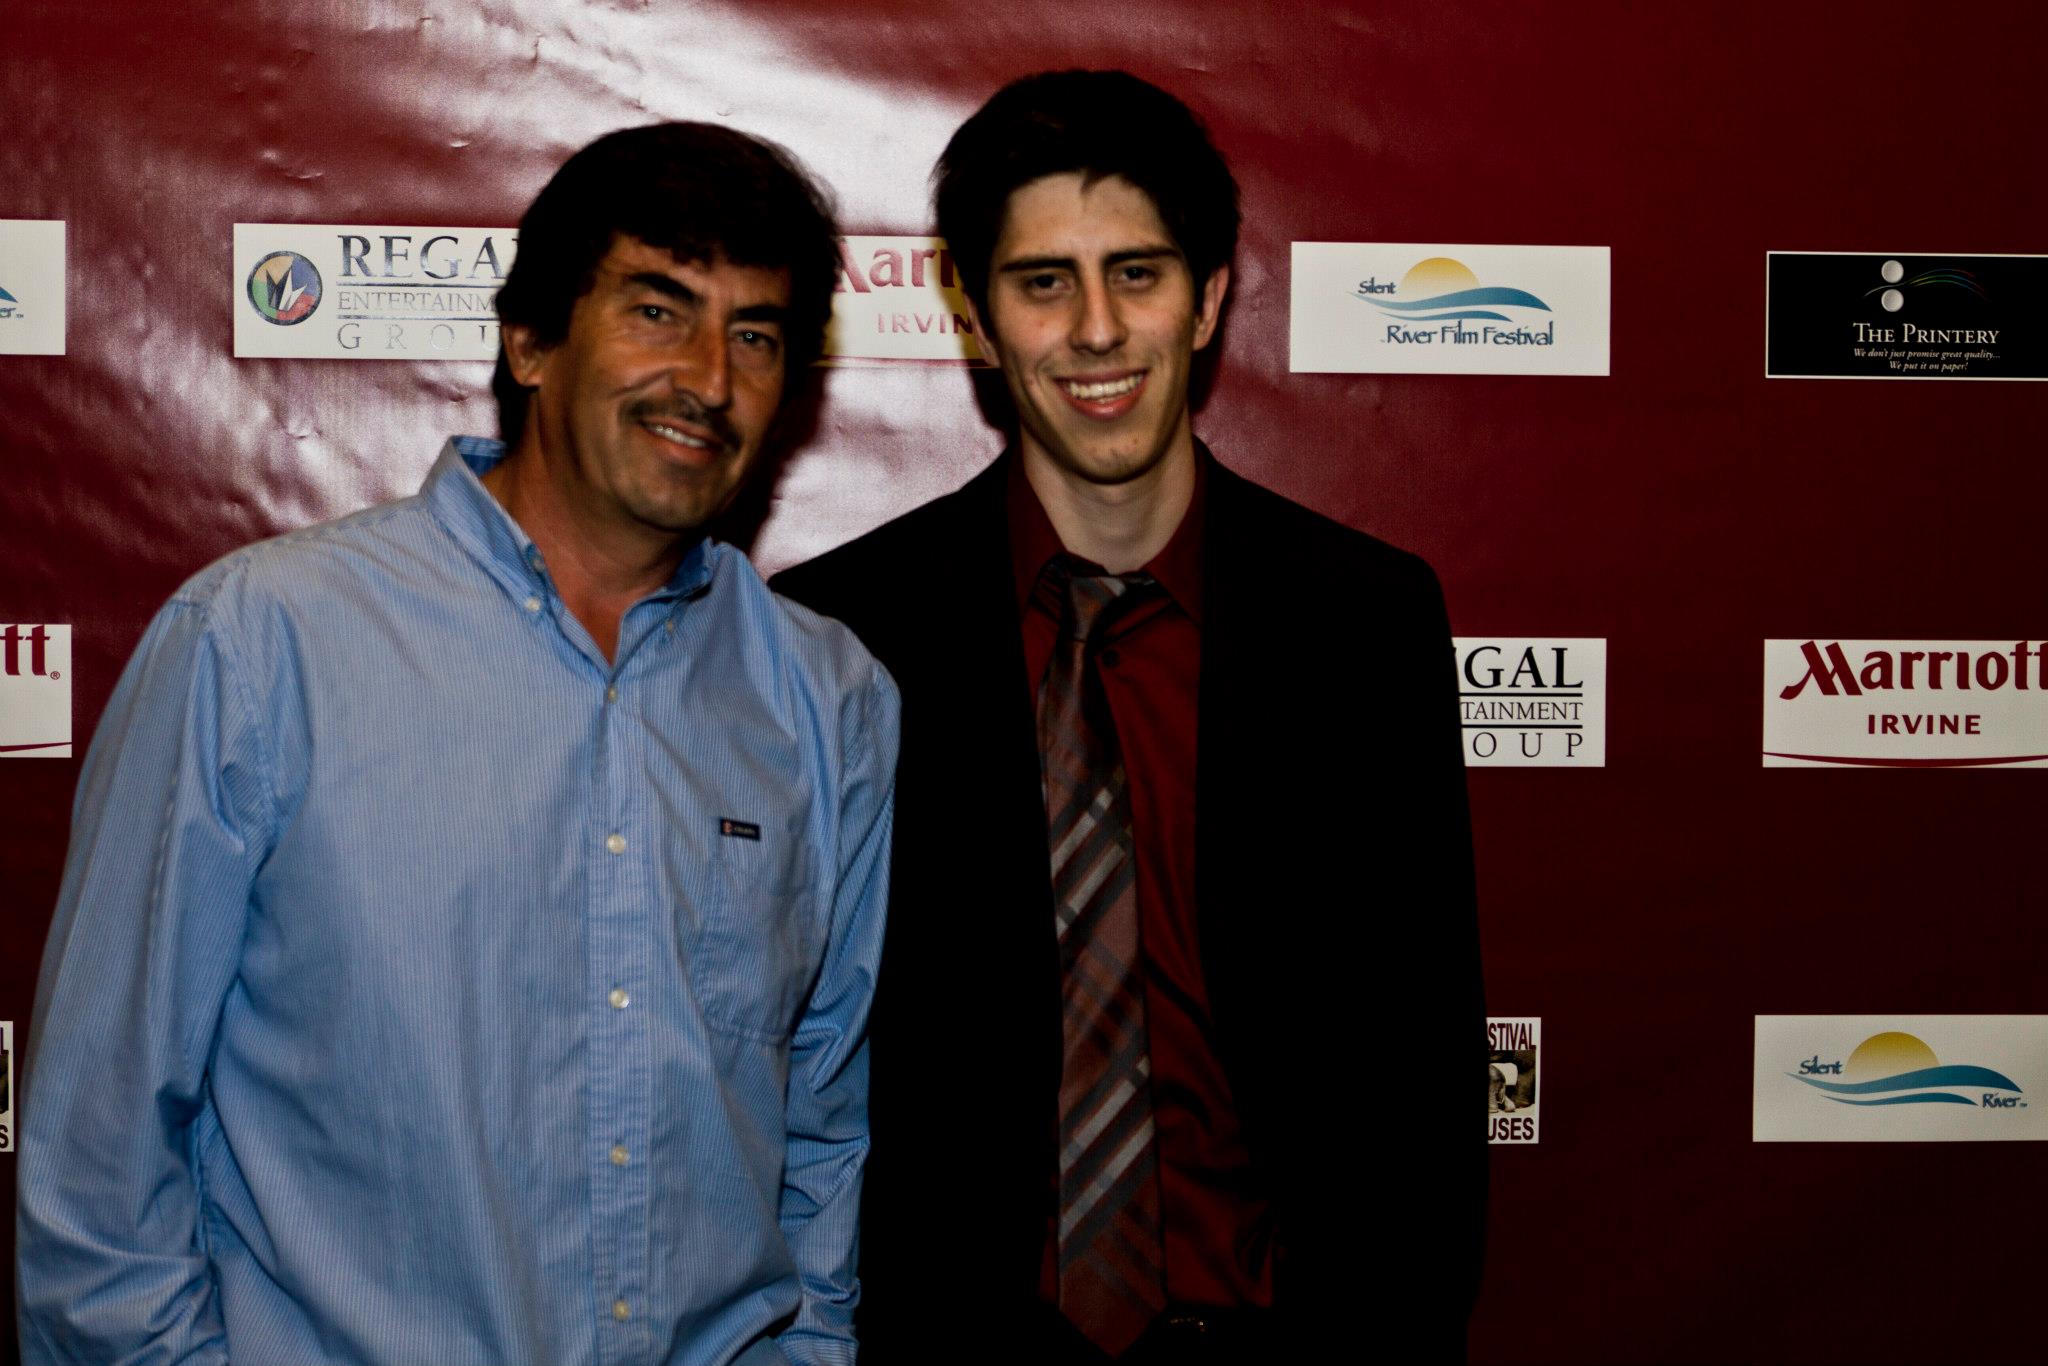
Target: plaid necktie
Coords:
[[1111, 1266]]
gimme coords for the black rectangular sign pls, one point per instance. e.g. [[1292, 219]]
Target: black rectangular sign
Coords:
[[1867, 315]]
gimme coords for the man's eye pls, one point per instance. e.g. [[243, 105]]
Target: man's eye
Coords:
[[1139, 275], [655, 313], [1042, 282]]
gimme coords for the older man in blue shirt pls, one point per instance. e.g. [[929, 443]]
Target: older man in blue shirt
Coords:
[[473, 904]]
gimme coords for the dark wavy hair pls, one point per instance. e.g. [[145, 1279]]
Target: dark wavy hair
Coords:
[[1102, 124], [697, 191]]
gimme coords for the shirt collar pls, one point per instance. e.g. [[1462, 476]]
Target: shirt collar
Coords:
[[455, 494], [1177, 566]]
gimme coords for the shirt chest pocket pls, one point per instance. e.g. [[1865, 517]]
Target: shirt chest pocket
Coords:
[[758, 936]]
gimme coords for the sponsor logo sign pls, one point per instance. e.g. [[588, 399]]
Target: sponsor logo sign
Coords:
[[368, 293], [1901, 315], [1511, 1045], [35, 692], [1533, 702], [898, 301], [1434, 309], [31, 287], [1905, 704], [1899, 1078]]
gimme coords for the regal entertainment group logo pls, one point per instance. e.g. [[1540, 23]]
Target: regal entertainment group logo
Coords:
[[344, 292], [1529, 702], [1905, 704], [35, 692], [1876, 1078], [284, 288]]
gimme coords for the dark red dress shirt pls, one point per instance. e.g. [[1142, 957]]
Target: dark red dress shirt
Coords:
[[1218, 1231]]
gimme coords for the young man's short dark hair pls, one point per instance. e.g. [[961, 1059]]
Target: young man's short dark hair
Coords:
[[1101, 124], [695, 190]]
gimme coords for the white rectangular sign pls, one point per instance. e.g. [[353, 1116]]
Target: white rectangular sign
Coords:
[[344, 292], [6, 1086], [898, 301], [1900, 1078], [1511, 1098], [31, 287], [1431, 308], [35, 691], [1905, 703], [1533, 701]]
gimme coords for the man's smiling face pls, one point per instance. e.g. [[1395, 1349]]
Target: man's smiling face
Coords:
[[1095, 320], [655, 404]]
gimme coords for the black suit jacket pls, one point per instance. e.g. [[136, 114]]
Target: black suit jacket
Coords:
[[1334, 906]]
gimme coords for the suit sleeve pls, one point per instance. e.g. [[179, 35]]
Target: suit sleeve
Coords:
[[827, 1108], [173, 816]]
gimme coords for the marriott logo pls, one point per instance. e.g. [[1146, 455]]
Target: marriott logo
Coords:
[[1828, 669], [35, 692], [1905, 704], [26, 649]]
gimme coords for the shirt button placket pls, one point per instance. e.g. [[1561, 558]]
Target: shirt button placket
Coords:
[[620, 940]]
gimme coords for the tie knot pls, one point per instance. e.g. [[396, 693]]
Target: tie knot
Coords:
[[1087, 600]]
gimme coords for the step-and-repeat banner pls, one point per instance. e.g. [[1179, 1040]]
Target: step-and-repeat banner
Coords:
[[1562, 299]]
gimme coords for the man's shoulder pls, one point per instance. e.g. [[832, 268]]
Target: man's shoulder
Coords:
[[1304, 545], [304, 564], [813, 648]]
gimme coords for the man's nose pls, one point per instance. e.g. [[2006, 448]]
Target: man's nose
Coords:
[[1098, 323]]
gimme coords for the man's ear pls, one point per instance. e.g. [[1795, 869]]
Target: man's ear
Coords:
[[983, 335], [1210, 305], [524, 355]]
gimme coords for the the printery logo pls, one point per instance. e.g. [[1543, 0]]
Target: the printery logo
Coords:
[[1906, 704], [1874, 1078], [35, 691]]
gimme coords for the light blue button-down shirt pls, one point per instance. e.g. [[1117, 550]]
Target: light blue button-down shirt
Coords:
[[426, 988]]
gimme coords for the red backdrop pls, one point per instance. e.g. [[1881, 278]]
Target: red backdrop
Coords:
[[1684, 508]]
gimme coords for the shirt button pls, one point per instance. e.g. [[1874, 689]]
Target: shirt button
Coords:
[[619, 999], [611, 694], [620, 1157], [616, 843], [533, 604], [621, 1310]]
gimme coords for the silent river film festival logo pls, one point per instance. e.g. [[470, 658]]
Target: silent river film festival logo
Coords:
[[1895, 1068], [1436, 299]]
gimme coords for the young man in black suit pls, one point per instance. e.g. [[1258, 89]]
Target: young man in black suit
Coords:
[[1177, 1049]]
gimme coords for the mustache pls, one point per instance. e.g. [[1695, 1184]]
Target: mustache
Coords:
[[684, 408]]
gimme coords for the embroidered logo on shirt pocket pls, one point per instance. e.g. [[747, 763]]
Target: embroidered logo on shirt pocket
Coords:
[[759, 943]]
